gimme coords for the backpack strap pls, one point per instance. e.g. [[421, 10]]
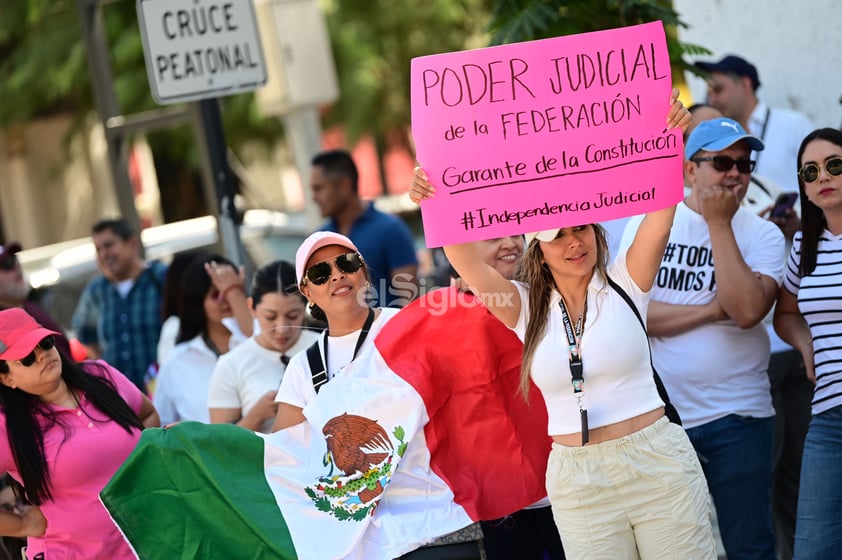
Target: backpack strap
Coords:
[[669, 408], [317, 366]]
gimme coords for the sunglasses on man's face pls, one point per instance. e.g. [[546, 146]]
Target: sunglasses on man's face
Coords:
[[810, 172], [47, 343], [726, 163], [320, 272], [9, 263]]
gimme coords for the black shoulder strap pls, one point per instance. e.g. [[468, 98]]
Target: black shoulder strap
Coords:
[[317, 367], [669, 408]]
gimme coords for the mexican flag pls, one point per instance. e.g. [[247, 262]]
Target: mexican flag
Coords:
[[422, 435]]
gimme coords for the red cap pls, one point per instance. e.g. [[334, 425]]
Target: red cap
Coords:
[[19, 333]]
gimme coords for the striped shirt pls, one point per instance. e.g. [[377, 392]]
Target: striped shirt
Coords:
[[820, 302], [126, 328]]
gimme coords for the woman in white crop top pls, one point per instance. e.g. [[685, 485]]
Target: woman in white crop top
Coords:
[[622, 480]]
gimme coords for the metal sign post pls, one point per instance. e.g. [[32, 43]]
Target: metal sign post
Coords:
[[200, 50]]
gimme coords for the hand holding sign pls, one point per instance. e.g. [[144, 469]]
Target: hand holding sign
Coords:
[[677, 117], [546, 133]]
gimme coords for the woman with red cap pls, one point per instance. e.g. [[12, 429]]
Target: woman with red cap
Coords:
[[65, 429]]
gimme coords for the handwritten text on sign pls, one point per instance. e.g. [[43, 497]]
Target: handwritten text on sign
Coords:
[[543, 134]]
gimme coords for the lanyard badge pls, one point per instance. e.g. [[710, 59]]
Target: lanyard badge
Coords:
[[574, 337]]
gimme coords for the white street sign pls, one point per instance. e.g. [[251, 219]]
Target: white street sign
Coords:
[[197, 49]]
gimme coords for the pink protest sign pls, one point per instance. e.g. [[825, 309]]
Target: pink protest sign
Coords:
[[543, 134]]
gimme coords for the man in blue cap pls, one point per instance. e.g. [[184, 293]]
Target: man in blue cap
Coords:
[[718, 278], [732, 86]]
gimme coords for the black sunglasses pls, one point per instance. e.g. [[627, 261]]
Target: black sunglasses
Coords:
[[810, 172], [320, 272], [9, 263], [47, 343], [726, 163]]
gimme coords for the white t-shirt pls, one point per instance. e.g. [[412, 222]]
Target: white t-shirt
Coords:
[[181, 389], [820, 302], [169, 333], [615, 356], [782, 134], [249, 371], [718, 368], [166, 340], [614, 232], [297, 384]]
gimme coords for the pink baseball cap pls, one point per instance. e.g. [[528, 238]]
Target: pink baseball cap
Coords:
[[19, 333], [315, 242]]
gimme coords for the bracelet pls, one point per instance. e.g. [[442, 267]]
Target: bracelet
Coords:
[[225, 291]]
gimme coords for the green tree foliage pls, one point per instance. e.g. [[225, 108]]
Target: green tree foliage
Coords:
[[41, 60], [373, 43], [524, 20], [43, 65]]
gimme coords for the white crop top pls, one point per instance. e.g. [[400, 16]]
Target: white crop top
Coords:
[[615, 356]]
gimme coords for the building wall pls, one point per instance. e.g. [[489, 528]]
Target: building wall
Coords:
[[52, 189], [795, 45]]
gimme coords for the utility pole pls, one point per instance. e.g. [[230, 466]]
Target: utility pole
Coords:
[[96, 46]]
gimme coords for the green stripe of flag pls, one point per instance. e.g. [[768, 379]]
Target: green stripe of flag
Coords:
[[197, 491]]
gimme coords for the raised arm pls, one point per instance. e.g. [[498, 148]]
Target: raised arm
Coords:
[[498, 294], [647, 249], [745, 295], [231, 282]]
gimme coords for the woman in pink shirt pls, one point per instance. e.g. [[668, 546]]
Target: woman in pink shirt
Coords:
[[65, 429]]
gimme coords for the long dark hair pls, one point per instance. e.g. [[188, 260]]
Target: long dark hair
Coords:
[[26, 434], [195, 284], [171, 297], [537, 276], [813, 221]]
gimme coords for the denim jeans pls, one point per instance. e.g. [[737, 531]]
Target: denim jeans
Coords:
[[736, 456], [818, 531]]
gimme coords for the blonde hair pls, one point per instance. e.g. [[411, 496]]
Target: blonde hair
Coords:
[[538, 278]]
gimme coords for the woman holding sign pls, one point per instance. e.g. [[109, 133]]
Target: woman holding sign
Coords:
[[617, 463]]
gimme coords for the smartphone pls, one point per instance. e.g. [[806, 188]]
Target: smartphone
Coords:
[[784, 202]]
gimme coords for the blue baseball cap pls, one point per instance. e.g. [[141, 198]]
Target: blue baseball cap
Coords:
[[717, 134]]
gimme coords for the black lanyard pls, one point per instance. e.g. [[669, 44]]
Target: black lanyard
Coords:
[[317, 379], [763, 132], [574, 337]]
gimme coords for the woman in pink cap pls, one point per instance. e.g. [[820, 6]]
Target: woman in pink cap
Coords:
[[333, 277], [65, 429]]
